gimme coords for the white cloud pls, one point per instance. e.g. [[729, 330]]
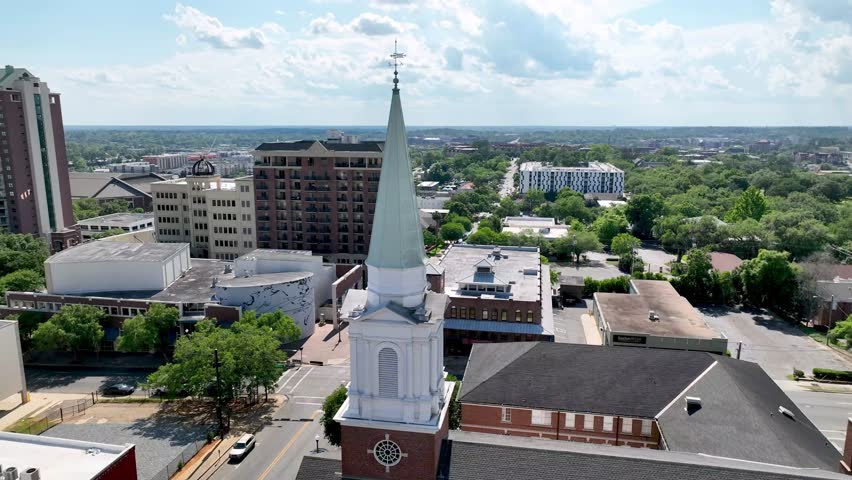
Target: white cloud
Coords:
[[366, 23], [181, 40], [280, 12], [211, 31]]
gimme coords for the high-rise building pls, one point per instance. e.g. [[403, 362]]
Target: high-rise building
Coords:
[[595, 178], [318, 196], [35, 195], [214, 215]]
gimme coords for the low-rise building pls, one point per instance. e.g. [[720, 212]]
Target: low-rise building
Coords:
[[544, 226], [654, 315], [168, 161], [497, 294], [132, 167], [129, 222], [125, 279], [12, 378], [596, 177], [834, 301], [657, 399], [725, 262], [39, 457], [134, 188]]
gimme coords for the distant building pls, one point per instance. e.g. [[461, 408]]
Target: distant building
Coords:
[[125, 279], [129, 222], [834, 301], [12, 378], [134, 188], [678, 401], [428, 186], [595, 178], [318, 196], [544, 226], [35, 196], [762, 146], [654, 315], [39, 457], [132, 167], [497, 294], [215, 216], [168, 161]]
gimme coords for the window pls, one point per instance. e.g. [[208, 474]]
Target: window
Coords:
[[570, 420], [517, 315], [588, 422], [463, 312], [646, 428], [471, 313], [485, 314], [626, 425], [506, 415], [607, 424], [453, 312], [388, 373], [503, 315], [540, 417], [529, 316]]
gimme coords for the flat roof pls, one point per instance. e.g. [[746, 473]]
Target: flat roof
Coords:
[[530, 222], [592, 167], [264, 279], [459, 263], [118, 252], [118, 219], [273, 254], [56, 457], [628, 313]]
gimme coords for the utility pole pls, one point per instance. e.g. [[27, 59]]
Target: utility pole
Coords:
[[739, 349], [218, 392]]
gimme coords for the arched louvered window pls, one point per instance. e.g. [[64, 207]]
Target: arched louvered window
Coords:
[[388, 373]]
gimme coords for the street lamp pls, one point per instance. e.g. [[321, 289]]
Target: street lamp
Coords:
[[301, 356], [317, 438]]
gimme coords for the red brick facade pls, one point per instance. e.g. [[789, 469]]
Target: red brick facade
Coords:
[[124, 468], [610, 430], [421, 453]]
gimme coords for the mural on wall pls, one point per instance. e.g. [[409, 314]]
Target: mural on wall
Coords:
[[294, 298]]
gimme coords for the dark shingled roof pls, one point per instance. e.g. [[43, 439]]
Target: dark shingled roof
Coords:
[[476, 456], [739, 417], [627, 381], [301, 145]]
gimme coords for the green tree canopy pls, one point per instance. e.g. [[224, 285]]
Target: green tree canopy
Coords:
[[330, 406], [73, 328], [149, 331], [280, 325], [19, 251], [642, 210], [575, 244], [768, 280], [610, 224], [751, 204], [20, 281], [796, 231], [533, 199], [624, 243], [452, 232]]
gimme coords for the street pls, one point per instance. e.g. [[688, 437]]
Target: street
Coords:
[[293, 430], [508, 185], [828, 411], [83, 381]]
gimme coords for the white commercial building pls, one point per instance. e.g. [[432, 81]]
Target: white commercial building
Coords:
[[214, 215], [544, 226], [595, 178], [129, 222], [12, 380]]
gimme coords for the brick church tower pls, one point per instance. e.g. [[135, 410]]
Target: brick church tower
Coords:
[[396, 414]]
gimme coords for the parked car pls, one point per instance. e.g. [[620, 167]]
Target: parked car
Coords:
[[243, 446], [119, 389], [164, 392]]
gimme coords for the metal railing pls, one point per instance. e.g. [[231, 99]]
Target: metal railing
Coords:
[[37, 424], [180, 460]]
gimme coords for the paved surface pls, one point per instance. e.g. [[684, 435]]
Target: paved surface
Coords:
[[508, 185], [657, 259], [828, 411], [772, 343], [79, 381], [293, 430], [596, 268], [323, 346], [157, 443], [567, 323]]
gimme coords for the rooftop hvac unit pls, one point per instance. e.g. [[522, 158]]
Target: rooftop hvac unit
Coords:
[[31, 473], [11, 473]]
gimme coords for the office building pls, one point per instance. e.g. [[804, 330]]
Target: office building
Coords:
[[35, 195], [214, 215], [129, 222], [318, 196], [595, 178], [168, 161]]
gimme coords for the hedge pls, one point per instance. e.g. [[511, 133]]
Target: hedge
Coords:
[[828, 374], [616, 284]]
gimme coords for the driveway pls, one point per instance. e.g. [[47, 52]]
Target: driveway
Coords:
[[657, 259], [771, 342], [567, 323], [596, 267]]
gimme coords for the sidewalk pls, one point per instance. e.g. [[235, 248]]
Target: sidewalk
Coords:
[[39, 403], [207, 460], [323, 348], [590, 330]]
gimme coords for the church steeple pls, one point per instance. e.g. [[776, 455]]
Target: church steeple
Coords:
[[396, 257]]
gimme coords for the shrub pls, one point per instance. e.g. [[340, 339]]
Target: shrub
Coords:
[[609, 285], [210, 437], [828, 374], [797, 374]]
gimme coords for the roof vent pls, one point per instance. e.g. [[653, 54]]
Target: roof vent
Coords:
[[496, 253], [693, 402], [93, 451], [652, 316], [31, 473], [786, 412], [11, 473]]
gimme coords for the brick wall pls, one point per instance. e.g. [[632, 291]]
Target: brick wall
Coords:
[[124, 468], [489, 419]]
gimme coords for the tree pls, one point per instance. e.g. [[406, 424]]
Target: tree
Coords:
[[751, 204], [149, 331], [19, 251], [768, 280], [20, 281], [507, 208], [330, 406], [429, 238], [745, 238], [115, 206], [608, 225], [73, 328], [280, 325], [463, 221], [697, 282], [641, 212], [576, 243], [674, 233], [533, 199], [624, 243], [796, 232], [85, 208], [452, 232], [842, 329]]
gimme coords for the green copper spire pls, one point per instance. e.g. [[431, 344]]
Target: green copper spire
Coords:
[[397, 239]]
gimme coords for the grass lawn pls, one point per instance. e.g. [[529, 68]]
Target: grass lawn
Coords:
[[30, 425], [817, 335]]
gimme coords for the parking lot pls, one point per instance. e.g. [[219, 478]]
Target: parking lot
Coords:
[[566, 322], [596, 267], [774, 344]]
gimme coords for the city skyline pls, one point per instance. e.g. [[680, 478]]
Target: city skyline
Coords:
[[525, 62]]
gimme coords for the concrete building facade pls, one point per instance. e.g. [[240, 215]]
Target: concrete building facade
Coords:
[[318, 196], [129, 222], [215, 216], [595, 178], [12, 378], [35, 194]]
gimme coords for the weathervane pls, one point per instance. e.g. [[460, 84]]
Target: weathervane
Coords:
[[396, 56]]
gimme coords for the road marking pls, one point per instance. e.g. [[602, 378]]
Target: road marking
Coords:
[[287, 447], [300, 381], [290, 379], [302, 396], [308, 403]]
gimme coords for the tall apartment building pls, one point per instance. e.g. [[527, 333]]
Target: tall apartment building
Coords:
[[595, 178], [35, 194], [167, 161], [318, 196], [214, 215]]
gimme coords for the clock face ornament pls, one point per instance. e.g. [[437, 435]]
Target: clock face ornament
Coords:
[[387, 453]]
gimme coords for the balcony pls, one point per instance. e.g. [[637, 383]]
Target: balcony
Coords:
[[317, 177], [261, 186]]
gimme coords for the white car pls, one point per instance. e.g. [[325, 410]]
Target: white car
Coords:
[[242, 447]]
